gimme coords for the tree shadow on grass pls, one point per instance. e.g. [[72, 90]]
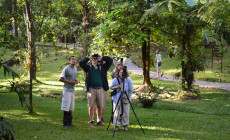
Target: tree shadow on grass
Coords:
[[38, 82]]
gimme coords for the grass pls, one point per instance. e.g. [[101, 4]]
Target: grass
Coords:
[[170, 66], [204, 119], [208, 118]]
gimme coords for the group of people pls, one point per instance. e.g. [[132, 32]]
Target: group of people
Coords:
[[96, 85]]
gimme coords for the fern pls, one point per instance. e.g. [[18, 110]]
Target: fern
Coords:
[[6, 130]]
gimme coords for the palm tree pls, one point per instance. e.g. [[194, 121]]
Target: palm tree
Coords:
[[183, 26]]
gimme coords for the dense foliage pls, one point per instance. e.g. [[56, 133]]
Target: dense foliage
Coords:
[[183, 26]]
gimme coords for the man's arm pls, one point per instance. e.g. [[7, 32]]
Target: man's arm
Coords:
[[68, 81], [83, 64], [109, 62], [113, 73]]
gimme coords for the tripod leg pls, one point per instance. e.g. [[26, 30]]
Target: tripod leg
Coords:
[[111, 116], [113, 112], [134, 112]]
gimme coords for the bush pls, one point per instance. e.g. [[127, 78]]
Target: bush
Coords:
[[194, 94], [148, 98]]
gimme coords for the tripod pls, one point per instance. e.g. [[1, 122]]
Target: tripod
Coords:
[[122, 109]]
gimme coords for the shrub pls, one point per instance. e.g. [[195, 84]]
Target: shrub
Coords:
[[194, 94], [148, 98]]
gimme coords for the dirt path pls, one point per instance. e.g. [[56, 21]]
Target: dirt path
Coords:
[[138, 71]]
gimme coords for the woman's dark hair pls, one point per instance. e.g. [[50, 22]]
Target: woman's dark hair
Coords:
[[118, 71]]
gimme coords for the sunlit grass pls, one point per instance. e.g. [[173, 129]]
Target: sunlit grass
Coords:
[[171, 71]]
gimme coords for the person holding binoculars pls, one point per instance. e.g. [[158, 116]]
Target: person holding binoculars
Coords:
[[96, 84]]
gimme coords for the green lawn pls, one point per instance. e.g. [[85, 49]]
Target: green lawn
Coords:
[[208, 118]]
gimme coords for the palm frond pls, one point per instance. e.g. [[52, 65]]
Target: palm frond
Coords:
[[161, 7], [170, 6], [151, 11], [8, 70], [6, 129]]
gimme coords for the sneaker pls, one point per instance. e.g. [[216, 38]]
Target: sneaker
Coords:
[[125, 127], [72, 125], [91, 123], [102, 121], [116, 128], [99, 123], [66, 126]]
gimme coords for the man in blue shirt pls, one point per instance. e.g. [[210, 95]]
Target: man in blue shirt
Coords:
[[159, 61]]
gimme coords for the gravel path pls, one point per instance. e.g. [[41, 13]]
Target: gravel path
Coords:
[[138, 71]]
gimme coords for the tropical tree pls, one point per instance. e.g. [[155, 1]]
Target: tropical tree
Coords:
[[35, 13], [181, 24], [121, 30], [216, 14], [64, 22]]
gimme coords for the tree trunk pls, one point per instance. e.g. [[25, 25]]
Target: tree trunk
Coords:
[[146, 64], [31, 49], [31, 39], [66, 40], [187, 68], [146, 55], [183, 63], [85, 24], [144, 61], [14, 13], [189, 65]]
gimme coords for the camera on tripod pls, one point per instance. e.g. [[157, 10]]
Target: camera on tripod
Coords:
[[121, 60], [124, 73]]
